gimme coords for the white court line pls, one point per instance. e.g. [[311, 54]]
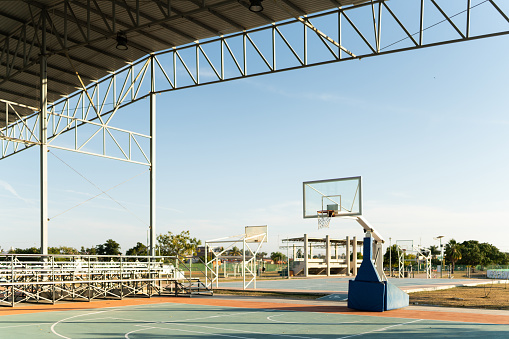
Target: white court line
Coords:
[[278, 321], [76, 316], [290, 322], [141, 329], [137, 320], [184, 320], [184, 323], [250, 332], [23, 325], [381, 329], [188, 331]]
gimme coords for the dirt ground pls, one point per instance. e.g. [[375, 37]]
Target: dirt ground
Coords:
[[489, 296]]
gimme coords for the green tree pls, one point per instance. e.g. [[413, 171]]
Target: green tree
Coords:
[[63, 250], [110, 247], [391, 256], [491, 255], [470, 253], [261, 255], [139, 249], [435, 252], [277, 256], [452, 253], [177, 244], [30, 250], [88, 251], [235, 251]]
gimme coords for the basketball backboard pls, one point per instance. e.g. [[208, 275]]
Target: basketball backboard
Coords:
[[343, 196], [405, 245], [256, 233]]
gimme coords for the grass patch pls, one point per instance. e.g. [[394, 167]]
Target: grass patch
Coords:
[[488, 296]]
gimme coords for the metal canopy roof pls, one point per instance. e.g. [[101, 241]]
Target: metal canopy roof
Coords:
[[81, 37], [316, 240]]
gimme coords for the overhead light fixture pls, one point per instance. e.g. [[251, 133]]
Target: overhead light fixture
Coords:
[[121, 41], [256, 6]]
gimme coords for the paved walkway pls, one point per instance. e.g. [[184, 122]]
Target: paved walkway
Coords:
[[339, 285]]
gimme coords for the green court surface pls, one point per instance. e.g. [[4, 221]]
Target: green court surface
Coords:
[[199, 321]]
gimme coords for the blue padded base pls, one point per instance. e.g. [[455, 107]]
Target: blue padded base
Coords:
[[366, 296], [394, 297]]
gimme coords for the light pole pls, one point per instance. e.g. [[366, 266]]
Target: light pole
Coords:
[[441, 255], [390, 257]]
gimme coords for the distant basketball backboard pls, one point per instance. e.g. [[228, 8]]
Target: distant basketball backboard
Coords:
[[341, 197], [256, 233], [405, 245]]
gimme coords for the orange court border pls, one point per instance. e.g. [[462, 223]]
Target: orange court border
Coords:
[[465, 315]]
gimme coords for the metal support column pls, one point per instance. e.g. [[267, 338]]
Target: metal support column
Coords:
[[306, 255], [244, 264], [347, 255], [327, 253], [43, 137], [354, 259], [152, 158]]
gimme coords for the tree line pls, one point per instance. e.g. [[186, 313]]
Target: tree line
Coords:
[[473, 253], [168, 244], [469, 253]]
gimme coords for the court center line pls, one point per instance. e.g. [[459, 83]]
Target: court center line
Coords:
[[380, 329]]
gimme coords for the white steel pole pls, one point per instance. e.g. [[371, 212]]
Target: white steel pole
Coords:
[[288, 258], [43, 126], [354, 252], [347, 255], [390, 257], [244, 263], [327, 253], [306, 254], [152, 158]]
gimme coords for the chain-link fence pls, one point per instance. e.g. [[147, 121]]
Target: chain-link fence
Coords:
[[233, 270]]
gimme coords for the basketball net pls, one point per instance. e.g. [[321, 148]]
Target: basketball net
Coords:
[[324, 219]]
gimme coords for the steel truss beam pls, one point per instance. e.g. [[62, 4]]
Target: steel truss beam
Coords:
[[92, 110], [353, 33]]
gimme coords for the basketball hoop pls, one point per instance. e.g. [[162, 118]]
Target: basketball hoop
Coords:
[[324, 218]]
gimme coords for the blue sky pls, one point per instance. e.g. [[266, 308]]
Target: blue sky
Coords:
[[427, 130]]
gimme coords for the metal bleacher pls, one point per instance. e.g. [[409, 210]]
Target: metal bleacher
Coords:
[[51, 278]]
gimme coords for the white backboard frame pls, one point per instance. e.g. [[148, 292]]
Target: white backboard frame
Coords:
[[256, 234], [356, 196]]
